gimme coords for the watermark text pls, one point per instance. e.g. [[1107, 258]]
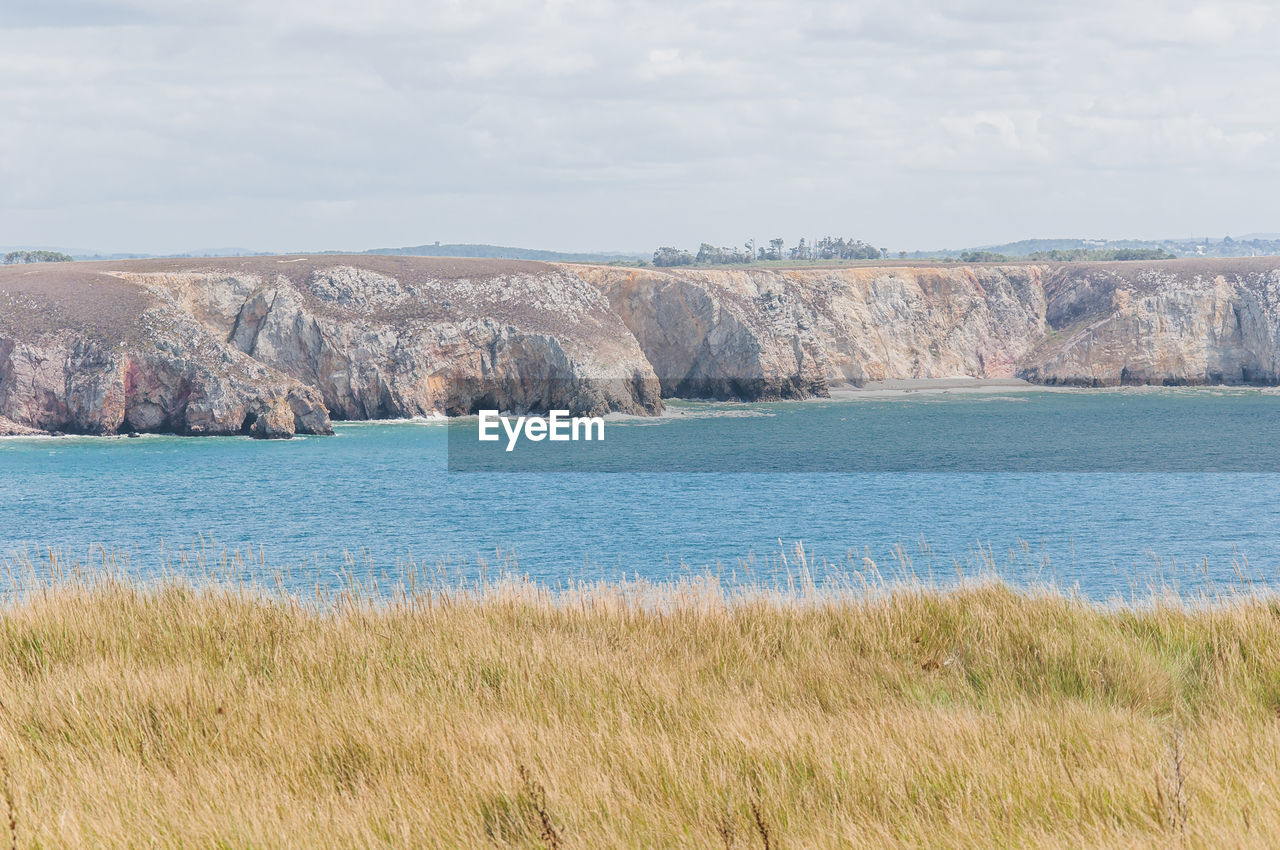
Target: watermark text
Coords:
[[556, 426]]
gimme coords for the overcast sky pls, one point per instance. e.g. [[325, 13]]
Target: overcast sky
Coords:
[[164, 125]]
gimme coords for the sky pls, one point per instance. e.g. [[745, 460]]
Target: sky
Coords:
[[286, 125]]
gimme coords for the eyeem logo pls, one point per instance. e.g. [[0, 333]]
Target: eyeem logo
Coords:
[[556, 426]]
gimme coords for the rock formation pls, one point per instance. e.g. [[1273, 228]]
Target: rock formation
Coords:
[[273, 346], [87, 353], [764, 334], [1181, 322], [9, 428]]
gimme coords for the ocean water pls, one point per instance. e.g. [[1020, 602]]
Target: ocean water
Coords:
[[1107, 492]]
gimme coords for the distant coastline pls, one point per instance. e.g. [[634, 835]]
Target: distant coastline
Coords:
[[277, 346]]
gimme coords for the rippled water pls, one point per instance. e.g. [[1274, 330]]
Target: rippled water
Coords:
[[935, 484]]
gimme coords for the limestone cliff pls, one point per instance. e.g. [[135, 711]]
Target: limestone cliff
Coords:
[[84, 352], [760, 333], [273, 346], [1179, 322], [391, 337], [792, 333]]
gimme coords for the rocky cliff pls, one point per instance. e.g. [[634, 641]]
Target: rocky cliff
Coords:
[[86, 352], [1176, 322], [274, 346], [790, 333]]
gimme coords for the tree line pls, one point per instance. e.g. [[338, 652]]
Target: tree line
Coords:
[[16, 257], [1076, 254], [1069, 255], [826, 248]]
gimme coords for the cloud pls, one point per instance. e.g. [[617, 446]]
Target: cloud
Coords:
[[38, 14], [161, 125]]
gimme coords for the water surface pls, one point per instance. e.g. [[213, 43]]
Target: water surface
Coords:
[[937, 484]]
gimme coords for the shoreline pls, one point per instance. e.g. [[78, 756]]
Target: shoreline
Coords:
[[909, 386], [962, 385], [675, 407]]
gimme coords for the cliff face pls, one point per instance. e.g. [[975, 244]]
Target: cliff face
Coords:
[[1162, 323], [399, 337], [274, 346], [91, 354], [793, 333], [277, 345]]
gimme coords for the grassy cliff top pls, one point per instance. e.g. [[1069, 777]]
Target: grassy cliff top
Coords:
[[44, 298], [88, 297]]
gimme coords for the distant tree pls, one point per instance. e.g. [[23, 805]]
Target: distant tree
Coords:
[[666, 256], [1139, 254], [1072, 255], [826, 248], [15, 257], [982, 257], [832, 248], [723, 256], [902, 255]]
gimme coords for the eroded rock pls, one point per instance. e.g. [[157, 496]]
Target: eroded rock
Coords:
[[762, 333], [271, 347]]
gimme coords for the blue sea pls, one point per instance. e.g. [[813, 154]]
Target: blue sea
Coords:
[[1105, 492]]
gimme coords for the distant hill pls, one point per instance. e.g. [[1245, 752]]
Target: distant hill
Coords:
[[492, 252], [499, 252], [202, 253], [1249, 245], [1253, 245]]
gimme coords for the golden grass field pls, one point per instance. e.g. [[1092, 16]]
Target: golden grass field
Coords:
[[633, 716]]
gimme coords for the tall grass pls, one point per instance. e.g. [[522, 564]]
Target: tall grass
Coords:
[[629, 715]]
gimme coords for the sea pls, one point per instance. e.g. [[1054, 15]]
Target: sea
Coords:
[[1104, 493]]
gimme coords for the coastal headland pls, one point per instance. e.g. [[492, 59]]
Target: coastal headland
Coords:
[[273, 346]]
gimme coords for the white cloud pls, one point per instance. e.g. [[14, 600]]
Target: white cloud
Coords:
[[162, 125]]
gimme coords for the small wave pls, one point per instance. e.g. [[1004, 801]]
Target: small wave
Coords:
[[434, 419], [708, 410]]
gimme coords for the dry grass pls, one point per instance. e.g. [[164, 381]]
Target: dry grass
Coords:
[[622, 716]]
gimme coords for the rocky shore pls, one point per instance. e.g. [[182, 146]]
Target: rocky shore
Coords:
[[273, 346]]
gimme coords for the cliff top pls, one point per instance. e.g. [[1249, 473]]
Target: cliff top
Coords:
[[57, 277], [300, 266], [1192, 265], [90, 298], [81, 297]]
